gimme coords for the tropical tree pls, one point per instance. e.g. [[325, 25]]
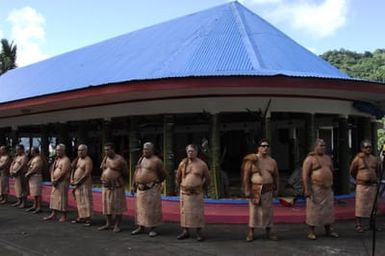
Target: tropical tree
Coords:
[[7, 56], [368, 65]]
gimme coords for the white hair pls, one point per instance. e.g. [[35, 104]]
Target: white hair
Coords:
[[84, 146], [148, 145], [62, 146]]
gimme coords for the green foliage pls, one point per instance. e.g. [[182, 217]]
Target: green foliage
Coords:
[[7, 56], [367, 66]]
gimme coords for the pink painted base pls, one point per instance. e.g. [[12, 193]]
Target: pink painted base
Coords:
[[229, 213]]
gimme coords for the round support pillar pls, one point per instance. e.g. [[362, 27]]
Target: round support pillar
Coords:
[[344, 156], [375, 125], [134, 149], [168, 153], [310, 131], [215, 165]]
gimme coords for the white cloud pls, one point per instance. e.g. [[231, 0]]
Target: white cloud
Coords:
[[317, 18], [252, 2], [28, 33], [313, 50]]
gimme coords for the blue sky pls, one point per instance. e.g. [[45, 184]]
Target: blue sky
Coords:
[[46, 28]]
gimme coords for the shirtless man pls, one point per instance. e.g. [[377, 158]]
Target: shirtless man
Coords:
[[115, 172], [261, 183], [17, 170], [34, 177], [364, 170], [317, 176], [148, 178], [60, 178], [193, 179], [82, 181], [5, 162]]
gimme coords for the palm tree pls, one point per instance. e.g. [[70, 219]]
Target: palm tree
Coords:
[[7, 56]]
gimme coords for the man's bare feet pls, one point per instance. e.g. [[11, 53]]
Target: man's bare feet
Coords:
[[105, 227]]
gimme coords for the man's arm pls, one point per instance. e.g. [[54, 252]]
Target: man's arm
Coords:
[[306, 171], [103, 163], [21, 163], [246, 178], [179, 173], [34, 169], [65, 168], [161, 171], [4, 163], [207, 178], [378, 167], [354, 168], [87, 171], [124, 170], [134, 186], [276, 178]]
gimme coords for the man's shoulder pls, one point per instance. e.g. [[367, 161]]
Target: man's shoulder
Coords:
[[120, 158], [251, 157], [309, 157], [156, 158], [35, 159], [66, 159], [272, 159], [88, 159], [201, 162]]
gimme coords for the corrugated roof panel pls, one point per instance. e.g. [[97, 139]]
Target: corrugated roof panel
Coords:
[[280, 53], [221, 41], [221, 50]]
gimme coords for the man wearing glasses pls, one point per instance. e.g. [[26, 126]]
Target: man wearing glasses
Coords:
[[317, 176], [364, 170], [260, 183]]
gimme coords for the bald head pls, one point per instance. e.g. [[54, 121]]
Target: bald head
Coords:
[[82, 150]]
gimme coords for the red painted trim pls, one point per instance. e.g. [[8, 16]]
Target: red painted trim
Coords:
[[198, 83], [200, 96]]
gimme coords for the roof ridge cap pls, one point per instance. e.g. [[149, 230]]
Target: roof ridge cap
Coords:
[[255, 58]]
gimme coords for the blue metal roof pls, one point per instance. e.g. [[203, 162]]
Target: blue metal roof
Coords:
[[221, 41]]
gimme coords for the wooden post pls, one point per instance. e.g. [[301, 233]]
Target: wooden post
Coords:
[[343, 152], [310, 131], [374, 129], [15, 137], [105, 135], [106, 132], [267, 128], [63, 137], [134, 150], [2, 137], [355, 135], [168, 153], [44, 141], [215, 168], [364, 129], [83, 132], [30, 143]]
